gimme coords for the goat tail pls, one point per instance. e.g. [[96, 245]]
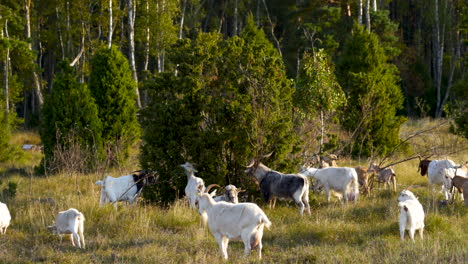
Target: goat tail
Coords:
[[264, 220]]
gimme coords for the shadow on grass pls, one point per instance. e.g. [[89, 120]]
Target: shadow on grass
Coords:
[[11, 171]]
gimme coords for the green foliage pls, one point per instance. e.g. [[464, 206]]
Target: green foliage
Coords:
[[113, 89], [5, 133], [317, 88], [228, 103], [386, 29], [70, 120], [374, 95]]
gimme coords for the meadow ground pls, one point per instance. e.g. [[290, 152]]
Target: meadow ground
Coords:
[[362, 233]]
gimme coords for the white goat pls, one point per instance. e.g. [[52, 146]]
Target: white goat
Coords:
[[230, 194], [234, 221], [70, 222], [411, 214], [342, 180], [5, 218], [194, 186], [123, 188], [435, 170]]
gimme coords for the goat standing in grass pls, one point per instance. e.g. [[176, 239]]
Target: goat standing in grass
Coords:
[[70, 222], [234, 221], [124, 188], [435, 170], [276, 184], [5, 218], [411, 214], [195, 185], [342, 180]]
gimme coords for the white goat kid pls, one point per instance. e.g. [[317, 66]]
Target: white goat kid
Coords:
[[194, 186], [342, 180], [234, 221], [5, 218], [411, 214], [70, 222]]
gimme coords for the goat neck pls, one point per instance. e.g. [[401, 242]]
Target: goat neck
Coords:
[[259, 171]]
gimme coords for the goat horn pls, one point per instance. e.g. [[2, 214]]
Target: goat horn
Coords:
[[211, 186], [251, 164], [268, 155], [240, 190]]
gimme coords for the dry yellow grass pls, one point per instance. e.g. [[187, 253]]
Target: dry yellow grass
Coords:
[[144, 233]]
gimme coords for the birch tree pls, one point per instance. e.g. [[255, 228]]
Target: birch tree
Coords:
[[131, 40]]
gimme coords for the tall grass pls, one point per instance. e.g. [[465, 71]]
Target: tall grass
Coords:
[[363, 233]]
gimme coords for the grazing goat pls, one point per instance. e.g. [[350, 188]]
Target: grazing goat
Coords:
[[230, 194], [234, 221], [276, 184], [363, 179], [194, 186], [435, 172], [124, 188], [383, 175], [70, 222], [5, 218], [342, 180], [453, 181], [411, 214]]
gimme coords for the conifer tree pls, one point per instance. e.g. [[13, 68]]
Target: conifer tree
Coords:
[[371, 84], [113, 89], [70, 120]]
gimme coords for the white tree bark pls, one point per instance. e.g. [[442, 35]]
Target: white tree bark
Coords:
[[360, 12], [236, 14], [368, 22], [374, 5], [272, 27], [131, 40], [181, 27], [37, 84], [109, 36], [439, 33], [6, 71], [147, 44]]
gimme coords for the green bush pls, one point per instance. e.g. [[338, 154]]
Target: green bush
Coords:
[[113, 89], [71, 130]]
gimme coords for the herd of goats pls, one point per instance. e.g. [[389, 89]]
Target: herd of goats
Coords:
[[228, 219]]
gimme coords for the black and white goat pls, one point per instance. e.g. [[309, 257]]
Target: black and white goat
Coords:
[[124, 188], [276, 184]]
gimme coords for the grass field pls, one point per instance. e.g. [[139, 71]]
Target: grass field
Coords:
[[362, 233]]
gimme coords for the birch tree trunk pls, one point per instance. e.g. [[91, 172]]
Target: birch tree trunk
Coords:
[[147, 44], [181, 26], [131, 40], [6, 71], [360, 12], [62, 47], [368, 25], [374, 5], [37, 84], [438, 56], [278, 46], [235, 29], [109, 36]]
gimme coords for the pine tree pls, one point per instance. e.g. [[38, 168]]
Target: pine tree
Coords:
[[113, 89], [70, 120], [371, 84]]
